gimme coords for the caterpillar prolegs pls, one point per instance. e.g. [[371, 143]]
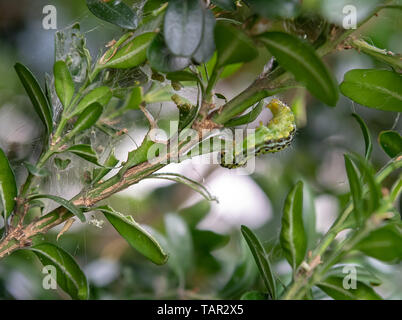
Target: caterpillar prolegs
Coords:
[[275, 136]]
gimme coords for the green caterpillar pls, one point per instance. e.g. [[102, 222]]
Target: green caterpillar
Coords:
[[273, 137]]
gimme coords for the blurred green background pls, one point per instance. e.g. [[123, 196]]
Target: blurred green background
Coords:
[[196, 268]]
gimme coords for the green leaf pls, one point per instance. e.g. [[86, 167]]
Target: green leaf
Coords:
[[299, 58], [379, 89], [84, 151], [384, 244], [261, 260], [242, 278], [183, 26], [61, 164], [293, 237], [233, 46], [63, 83], [115, 12], [209, 240], [366, 135], [333, 286], [87, 118], [246, 118], [362, 274], [374, 188], [390, 142], [206, 47], [132, 54], [161, 59], [228, 5], [254, 295], [135, 235], [35, 93], [102, 95], [356, 190], [38, 172], [8, 186], [63, 202], [180, 245], [195, 213], [182, 76], [135, 99], [69, 275]]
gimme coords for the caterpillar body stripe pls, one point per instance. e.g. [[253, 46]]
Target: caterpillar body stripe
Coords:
[[275, 136]]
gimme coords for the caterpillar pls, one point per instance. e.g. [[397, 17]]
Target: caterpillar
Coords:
[[275, 136]]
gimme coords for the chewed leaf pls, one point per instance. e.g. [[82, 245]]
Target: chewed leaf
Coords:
[[86, 152], [135, 235], [69, 275]]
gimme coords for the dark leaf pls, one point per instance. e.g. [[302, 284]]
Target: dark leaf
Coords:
[[115, 12], [206, 47], [183, 26], [161, 59], [36, 95]]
